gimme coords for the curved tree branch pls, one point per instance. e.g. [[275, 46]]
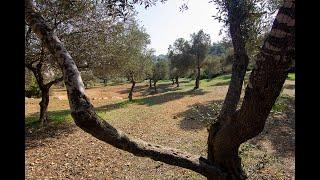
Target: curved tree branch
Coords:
[[85, 117], [49, 84], [29, 66]]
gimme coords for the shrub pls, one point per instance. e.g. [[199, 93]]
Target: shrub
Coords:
[[34, 90]]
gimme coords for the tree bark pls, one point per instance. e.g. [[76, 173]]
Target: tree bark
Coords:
[[239, 66], [177, 81], [150, 83], [132, 87], [155, 86], [44, 106], [240, 61], [44, 88], [198, 75], [172, 79], [264, 86]]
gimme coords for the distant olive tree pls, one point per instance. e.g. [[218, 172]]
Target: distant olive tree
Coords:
[[45, 74], [160, 72], [180, 59], [135, 58], [200, 43]]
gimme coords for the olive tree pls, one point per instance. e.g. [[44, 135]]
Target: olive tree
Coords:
[[225, 137], [200, 44], [160, 72], [70, 21], [181, 59], [36, 60], [135, 58]]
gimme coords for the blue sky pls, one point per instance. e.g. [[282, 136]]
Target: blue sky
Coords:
[[165, 23]]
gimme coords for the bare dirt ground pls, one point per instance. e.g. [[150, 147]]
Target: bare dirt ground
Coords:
[[173, 117]]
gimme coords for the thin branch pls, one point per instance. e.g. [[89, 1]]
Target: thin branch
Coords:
[[31, 63], [29, 66], [48, 85]]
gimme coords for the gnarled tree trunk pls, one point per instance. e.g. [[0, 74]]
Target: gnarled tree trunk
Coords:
[[264, 86], [155, 86], [133, 82], [198, 75], [177, 81], [44, 88], [172, 79], [44, 105], [150, 83]]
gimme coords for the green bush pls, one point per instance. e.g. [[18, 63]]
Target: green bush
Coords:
[[34, 90]]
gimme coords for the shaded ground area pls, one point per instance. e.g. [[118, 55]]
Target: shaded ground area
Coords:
[[175, 117], [271, 154]]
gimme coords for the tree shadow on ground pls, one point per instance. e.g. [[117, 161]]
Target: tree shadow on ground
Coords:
[[138, 88], [145, 90], [223, 83], [199, 116], [161, 88], [58, 125], [185, 81], [279, 130], [152, 100]]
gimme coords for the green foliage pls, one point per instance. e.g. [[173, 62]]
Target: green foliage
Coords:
[[291, 76], [180, 58], [200, 43], [160, 70], [255, 19], [212, 66], [217, 49], [34, 89], [280, 104]]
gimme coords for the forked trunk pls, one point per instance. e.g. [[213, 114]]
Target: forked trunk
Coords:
[[264, 86], [177, 81], [172, 79]]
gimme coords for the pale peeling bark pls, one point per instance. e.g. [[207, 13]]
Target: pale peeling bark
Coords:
[[85, 117], [264, 86]]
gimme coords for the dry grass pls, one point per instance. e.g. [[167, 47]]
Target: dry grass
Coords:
[[175, 117]]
